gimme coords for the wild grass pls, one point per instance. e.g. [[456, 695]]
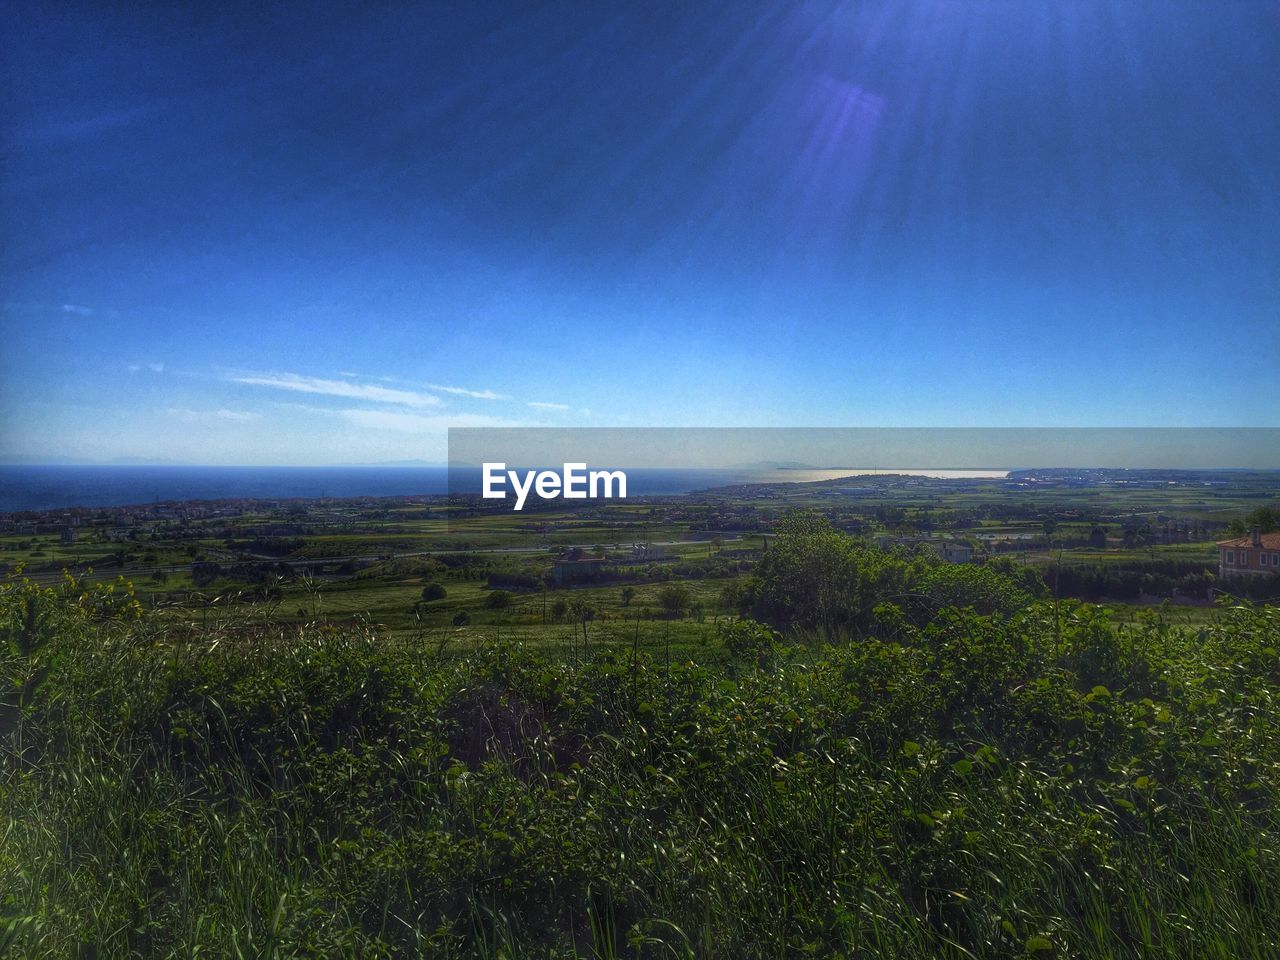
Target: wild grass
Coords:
[[1052, 784]]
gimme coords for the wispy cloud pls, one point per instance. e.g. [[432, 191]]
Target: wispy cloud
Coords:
[[87, 126], [339, 388], [437, 387], [78, 310], [418, 423], [543, 405], [156, 367], [205, 416], [464, 392]]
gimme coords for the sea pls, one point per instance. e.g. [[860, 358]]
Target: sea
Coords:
[[38, 488]]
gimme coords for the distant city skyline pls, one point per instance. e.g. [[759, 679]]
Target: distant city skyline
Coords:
[[324, 235]]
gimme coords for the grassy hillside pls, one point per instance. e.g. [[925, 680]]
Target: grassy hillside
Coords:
[[1047, 784]]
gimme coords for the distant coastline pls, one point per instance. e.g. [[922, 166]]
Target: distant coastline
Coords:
[[33, 488], [49, 487], [814, 474]]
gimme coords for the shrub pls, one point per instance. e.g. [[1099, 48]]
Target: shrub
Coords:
[[1048, 783], [751, 641], [674, 599], [498, 600]]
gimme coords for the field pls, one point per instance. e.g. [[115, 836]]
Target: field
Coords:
[[775, 724], [372, 559]]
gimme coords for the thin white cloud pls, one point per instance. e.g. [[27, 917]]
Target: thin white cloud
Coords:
[[418, 423], [204, 416], [464, 392], [67, 130], [78, 310], [156, 367], [135, 367], [543, 405], [340, 388]]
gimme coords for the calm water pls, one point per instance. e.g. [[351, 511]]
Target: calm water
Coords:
[[46, 488], [51, 487]]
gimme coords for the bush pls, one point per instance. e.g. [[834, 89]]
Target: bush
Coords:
[[751, 641], [815, 578], [433, 591], [674, 599], [498, 600], [981, 589], [514, 580], [1047, 783]]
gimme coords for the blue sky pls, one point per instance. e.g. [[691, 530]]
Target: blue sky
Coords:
[[324, 234]]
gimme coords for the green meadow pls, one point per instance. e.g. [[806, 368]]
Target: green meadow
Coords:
[[776, 727]]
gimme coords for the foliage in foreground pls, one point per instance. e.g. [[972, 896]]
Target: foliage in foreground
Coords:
[[1048, 784]]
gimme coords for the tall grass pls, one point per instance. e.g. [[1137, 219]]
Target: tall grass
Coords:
[[1050, 785]]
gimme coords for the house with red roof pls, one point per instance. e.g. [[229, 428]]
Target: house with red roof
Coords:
[[1249, 555]]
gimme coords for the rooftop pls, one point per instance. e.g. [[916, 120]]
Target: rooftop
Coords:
[[1270, 541]]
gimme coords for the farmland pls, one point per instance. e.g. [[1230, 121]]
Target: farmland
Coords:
[[766, 723], [294, 561]]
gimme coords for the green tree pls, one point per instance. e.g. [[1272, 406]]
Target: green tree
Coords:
[[674, 599], [965, 586], [809, 578], [1266, 518], [498, 600]]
